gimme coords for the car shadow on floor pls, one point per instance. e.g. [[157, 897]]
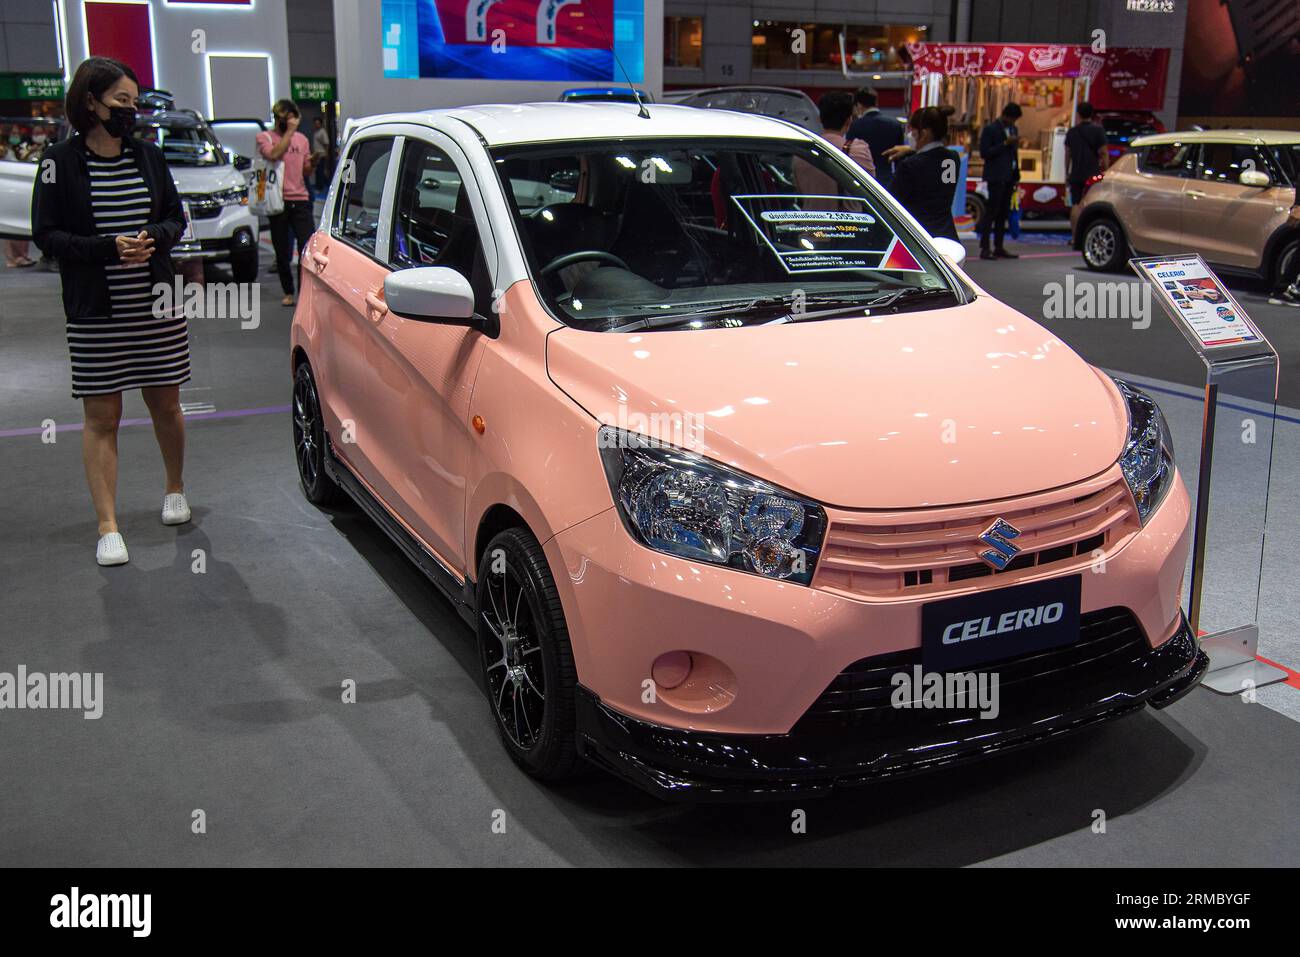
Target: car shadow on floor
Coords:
[[955, 816]]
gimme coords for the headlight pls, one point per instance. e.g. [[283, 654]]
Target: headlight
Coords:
[[1148, 459], [681, 503], [231, 197]]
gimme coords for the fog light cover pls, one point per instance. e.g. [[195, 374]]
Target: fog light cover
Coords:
[[1148, 458], [683, 504]]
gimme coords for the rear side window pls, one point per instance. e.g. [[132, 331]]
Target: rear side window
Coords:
[[1225, 162], [1169, 159], [361, 190]]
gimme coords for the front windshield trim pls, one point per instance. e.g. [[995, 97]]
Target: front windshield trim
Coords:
[[940, 275]]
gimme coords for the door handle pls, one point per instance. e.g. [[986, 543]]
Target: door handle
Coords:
[[1196, 193], [376, 305]]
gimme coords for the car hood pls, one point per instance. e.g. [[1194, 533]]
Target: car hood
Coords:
[[206, 179], [939, 407]]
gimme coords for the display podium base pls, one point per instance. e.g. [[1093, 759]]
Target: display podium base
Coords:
[[1233, 665]]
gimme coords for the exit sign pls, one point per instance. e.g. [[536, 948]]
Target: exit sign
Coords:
[[313, 89], [31, 86]]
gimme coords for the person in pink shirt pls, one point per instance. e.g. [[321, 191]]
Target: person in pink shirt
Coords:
[[836, 108], [296, 223]]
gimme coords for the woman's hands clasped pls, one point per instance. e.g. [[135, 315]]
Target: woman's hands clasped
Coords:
[[135, 250]]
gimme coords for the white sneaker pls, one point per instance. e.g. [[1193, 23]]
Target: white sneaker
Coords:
[[111, 549], [176, 511]]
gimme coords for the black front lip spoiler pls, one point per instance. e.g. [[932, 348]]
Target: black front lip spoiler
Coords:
[[683, 765]]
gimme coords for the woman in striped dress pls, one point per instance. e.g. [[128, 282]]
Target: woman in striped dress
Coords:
[[106, 207]]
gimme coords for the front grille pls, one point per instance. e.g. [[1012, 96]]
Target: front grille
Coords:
[[860, 694], [932, 551]]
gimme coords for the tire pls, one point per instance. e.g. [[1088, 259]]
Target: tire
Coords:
[[975, 206], [1284, 264], [1104, 246], [309, 442], [525, 656], [243, 266]]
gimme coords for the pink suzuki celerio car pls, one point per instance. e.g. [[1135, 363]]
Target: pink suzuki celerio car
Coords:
[[716, 450]]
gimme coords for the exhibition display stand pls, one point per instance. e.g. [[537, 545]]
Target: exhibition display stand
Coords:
[[1241, 369]]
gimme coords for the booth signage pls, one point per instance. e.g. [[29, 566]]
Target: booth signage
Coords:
[[1131, 78]]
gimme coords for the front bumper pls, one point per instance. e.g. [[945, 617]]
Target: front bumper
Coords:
[[763, 651], [234, 229], [1112, 673]]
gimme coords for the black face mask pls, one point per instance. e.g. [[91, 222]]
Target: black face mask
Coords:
[[121, 120]]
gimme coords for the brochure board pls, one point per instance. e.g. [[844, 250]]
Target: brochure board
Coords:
[[1202, 308]]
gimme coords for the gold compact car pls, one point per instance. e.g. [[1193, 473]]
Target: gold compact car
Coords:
[[1222, 193]]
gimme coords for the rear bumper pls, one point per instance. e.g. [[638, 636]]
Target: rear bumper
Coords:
[[834, 749]]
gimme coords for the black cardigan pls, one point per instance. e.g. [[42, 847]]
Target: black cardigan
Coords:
[[63, 224], [920, 183]]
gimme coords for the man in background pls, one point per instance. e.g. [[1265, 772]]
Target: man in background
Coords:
[[999, 148], [1085, 152], [875, 129], [320, 151]]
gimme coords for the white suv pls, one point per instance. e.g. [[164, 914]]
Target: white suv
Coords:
[[219, 226]]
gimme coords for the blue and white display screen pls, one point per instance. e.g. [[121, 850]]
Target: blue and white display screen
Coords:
[[564, 40]]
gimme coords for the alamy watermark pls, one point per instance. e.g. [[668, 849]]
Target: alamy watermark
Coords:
[[654, 429], [935, 689], [212, 300], [72, 691], [74, 910], [1085, 299]]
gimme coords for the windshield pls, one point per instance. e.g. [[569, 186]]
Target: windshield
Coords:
[[645, 234], [185, 144]]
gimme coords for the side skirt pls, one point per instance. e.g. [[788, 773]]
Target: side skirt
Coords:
[[461, 595]]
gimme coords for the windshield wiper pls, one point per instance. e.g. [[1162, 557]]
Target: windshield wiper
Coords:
[[839, 306], [671, 319], [880, 302]]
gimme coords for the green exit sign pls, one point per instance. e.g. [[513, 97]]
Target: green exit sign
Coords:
[[31, 86], [313, 89]]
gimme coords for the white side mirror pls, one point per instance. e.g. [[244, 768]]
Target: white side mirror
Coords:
[[430, 294], [950, 249], [1254, 177]]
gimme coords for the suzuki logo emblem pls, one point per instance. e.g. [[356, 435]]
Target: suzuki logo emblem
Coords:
[[1002, 549]]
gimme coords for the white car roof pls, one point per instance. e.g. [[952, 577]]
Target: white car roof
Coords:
[[1241, 137], [502, 124]]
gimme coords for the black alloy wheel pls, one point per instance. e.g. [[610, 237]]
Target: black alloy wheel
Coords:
[[309, 441], [525, 655]]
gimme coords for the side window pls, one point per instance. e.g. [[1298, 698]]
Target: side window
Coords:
[[433, 222], [356, 215], [1225, 162], [1170, 159], [429, 189], [1287, 160]]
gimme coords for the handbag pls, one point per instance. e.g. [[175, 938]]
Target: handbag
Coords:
[[265, 190]]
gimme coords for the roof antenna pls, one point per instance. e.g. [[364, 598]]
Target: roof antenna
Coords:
[[636, 94]]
